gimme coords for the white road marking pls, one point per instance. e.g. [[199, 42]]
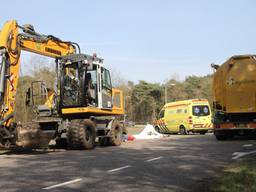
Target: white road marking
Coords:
[[61, 184], [154, 159], [238, 155], [118, 169], [248, 145]]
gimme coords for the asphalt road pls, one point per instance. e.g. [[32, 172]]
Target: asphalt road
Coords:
[[175, 163]]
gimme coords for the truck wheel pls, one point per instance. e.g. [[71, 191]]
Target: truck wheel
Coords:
[[183, 130], [81, 134], [221, 137], [116, 133]]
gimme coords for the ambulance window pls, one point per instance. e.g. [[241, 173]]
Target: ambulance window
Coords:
[[161, 114], [201, 110], [185, 110], [196, 110], [206, 110], [179, 111]]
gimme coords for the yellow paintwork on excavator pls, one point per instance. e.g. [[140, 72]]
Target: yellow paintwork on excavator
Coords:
[[13, 40], [234, 85], [117, 109]]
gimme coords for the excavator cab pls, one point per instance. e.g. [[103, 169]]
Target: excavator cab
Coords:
[[84, 82]]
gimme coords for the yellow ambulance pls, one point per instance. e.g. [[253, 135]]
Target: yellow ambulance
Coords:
[[184, 117]]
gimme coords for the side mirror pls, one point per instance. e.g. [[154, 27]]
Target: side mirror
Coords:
[[28, 97]]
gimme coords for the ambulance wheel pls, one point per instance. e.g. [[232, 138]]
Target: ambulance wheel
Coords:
[[183, 130], [157, 129], [203, 132]]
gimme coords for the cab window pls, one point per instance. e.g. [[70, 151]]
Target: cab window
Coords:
[[93, 76], [106, 80]]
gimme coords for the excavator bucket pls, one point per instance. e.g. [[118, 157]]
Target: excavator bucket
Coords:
[[30, 136]]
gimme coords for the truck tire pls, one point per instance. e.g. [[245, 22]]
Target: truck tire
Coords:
[[183, 130], [221, 137], [116, 133], [81, 134]]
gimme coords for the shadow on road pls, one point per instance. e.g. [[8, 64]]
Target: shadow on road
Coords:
[[187, 164]]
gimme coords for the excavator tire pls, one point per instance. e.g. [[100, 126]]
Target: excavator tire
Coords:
[[116, 133], [81, 134]]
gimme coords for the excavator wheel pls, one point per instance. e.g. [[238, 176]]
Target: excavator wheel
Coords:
[[81, 134], [116, 133]]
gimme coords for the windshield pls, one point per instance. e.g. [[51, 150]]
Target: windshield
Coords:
[[71, 89], [201, 110]]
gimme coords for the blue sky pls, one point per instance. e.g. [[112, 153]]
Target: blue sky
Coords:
[[148, 40]]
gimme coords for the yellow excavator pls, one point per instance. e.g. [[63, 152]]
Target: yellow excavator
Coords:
[[81, 108]]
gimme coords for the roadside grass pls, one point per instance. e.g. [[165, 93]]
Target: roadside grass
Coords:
[[240, 176]]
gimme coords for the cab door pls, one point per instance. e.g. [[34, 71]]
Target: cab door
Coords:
[[106, 89]]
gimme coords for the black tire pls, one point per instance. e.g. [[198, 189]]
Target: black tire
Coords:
[[202, 132], [116, 134], [183, 130], [221, 137], [81, 134], [157, 129]]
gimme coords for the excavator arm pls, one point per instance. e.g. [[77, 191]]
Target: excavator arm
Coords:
[[14, 39]]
